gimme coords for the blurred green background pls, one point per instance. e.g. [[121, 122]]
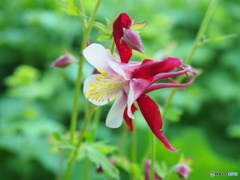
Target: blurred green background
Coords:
[[36, 100]]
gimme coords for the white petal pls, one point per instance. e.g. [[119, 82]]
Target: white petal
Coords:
[[89, 80], [97, 56], [136, 89], [117, 65], [115, 115]]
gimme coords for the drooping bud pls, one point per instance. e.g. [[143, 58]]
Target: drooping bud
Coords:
[[133, 40], [183, 170], [63, 61]]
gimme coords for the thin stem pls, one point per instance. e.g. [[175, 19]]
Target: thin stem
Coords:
[[153, 146], [116, 8], [112, 46], [196, 45], [170, 171], [75, 153], [87, 169], [79, 75], [133, 153], [60, 167], [84, 22], [96, 122], [134, 146], [123, 139]]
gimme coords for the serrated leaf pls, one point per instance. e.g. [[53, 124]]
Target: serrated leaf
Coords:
[[71, 8], [139, 25], [102, 161], [101, 28], [104, 37]]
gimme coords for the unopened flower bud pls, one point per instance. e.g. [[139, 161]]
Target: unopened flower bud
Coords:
[[183, 170], [133, 40], [63, 61]]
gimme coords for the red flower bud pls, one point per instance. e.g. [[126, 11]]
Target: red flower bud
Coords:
[[183, 170], [133, 40], [63, 61]]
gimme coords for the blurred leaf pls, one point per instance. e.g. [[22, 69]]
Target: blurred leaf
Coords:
[[23, 75], [101, 28], [161, 169], [233, 131], [104, 37], [102, 161], [71, 8], [174, 114], [109, 24], [205, 41], [103, 147], [57, 136]]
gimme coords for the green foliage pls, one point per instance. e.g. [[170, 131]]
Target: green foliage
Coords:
[[96, 152], [36, 101], [105, 30]]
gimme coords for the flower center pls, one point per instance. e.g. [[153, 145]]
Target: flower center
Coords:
[[105, 87]]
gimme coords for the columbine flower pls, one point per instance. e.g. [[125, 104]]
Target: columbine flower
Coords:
[[125, 37], [63, 61], [130, 82], [183, 170]]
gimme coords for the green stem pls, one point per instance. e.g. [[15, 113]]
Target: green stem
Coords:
[[79, 75], [96, 122], [133, 153], [170, 171], [60, 167], [116, 8], [83, 14], [76, 151], [123, 139], [153, 146], [87, 169], [196, 45], [112, 46]]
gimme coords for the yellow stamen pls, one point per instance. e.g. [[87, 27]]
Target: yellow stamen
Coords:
[[105, 87]]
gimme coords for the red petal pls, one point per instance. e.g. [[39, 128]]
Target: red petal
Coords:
[[150, 68], [167, 85], [123, 21], [153, 117], [128, 119]]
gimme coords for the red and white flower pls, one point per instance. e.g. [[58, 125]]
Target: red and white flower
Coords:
[[128, 82]]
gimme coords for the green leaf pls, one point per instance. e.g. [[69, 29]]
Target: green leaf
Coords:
[[104, 148], [101, 28], [233, 131], [174, 114], [102, 161], [65, 146], [70, 8], [57, 136], [104, 37], [205, 41], [161, 169], [109, 24]]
